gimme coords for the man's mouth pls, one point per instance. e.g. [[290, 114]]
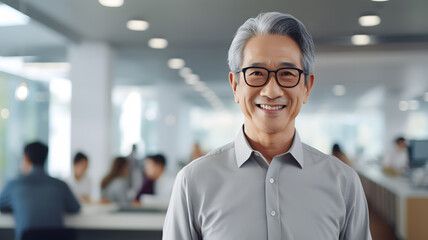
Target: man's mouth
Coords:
[[271, 108]]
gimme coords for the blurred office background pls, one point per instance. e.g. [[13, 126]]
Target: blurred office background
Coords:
[[82, 76]]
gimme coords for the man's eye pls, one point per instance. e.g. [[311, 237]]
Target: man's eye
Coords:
[[286, 73], [256, 73]]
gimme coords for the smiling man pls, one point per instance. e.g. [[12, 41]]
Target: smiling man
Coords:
[[267, 184]]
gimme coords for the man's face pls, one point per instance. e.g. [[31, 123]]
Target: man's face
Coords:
[[402, 144], [271, 52], [80, 168], [152, 170]]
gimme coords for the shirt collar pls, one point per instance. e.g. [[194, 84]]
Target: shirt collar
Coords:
[[37, 170], [243, 150]]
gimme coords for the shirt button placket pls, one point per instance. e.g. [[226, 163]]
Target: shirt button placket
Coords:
[[272, 201]]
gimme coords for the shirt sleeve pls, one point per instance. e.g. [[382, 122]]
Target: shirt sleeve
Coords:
[[5, 197], [179, 222], [71, 204], [356, 225]]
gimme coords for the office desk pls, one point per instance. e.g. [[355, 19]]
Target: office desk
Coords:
[[402, 205], [104, 222]]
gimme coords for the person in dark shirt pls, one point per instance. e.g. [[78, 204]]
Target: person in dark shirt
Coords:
[[36, 199]]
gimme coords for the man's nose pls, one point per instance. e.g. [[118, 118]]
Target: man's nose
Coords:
[[272, 89]]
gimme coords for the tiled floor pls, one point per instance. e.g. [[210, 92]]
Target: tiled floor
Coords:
[[380, 230]]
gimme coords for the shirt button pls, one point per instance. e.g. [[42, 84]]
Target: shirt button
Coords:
[[257, 154], [271, 180], [273, 213]]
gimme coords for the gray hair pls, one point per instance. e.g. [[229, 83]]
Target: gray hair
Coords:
[[273, 23]]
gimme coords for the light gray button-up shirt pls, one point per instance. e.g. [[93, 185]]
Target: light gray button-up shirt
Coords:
[[233, 193]]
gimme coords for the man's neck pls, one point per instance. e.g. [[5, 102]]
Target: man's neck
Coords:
[[270, 144]]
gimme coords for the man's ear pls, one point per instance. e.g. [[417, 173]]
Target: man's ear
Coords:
[[308, 87], [26, 165], [234, 84]]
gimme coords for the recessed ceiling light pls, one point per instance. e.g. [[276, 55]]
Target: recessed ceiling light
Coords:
[[111, 3], [158, 43], [57, 66], [426, 97], [22, 92], [339, 90], [11, 17], [413, 105], [380, 0], [360, 39], [137, 25], [184, 72], [192, 79], [209, 95], [403, 106], [175, 63], [369, 20], [200, 87], [4, 113]]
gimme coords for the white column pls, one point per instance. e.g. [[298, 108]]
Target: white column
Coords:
[[91, 78]]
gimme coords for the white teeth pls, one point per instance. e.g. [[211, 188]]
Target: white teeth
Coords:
[[267, 107]]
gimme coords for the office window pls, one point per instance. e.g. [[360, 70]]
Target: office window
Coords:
[[212, 129], [24, 117], [135, 116]]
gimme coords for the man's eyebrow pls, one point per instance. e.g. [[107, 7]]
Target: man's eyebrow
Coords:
[[287, 64]]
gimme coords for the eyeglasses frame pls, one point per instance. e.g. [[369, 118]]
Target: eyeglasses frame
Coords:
[[243, 70]]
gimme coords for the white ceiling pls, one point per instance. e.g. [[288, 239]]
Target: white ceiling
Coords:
[[200, 32]]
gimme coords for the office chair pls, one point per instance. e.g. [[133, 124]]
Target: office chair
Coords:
[[50, 234]]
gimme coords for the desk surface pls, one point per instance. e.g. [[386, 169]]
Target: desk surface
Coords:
[[106, 217], [398, 185]]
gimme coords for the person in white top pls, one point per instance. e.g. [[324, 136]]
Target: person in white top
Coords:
[[157, 184], [396, 159], [79, 181]]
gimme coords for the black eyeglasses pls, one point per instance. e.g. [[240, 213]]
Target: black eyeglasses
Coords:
[[258, 76]]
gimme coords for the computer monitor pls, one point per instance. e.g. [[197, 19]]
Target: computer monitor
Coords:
[[418, 153]]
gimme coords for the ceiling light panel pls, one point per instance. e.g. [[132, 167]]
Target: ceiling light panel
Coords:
[[403, 106], [360, 39], [137, 25], [176, 63], [192, 79], [158, 43], [369, 20], [184, 72], [111, 3]]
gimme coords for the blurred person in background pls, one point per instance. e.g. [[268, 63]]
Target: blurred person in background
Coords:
[[196, 152], [157, 184], [337, 152], [115, 185], [36, 199], [396, 159], [79, 181], [267, 184]]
